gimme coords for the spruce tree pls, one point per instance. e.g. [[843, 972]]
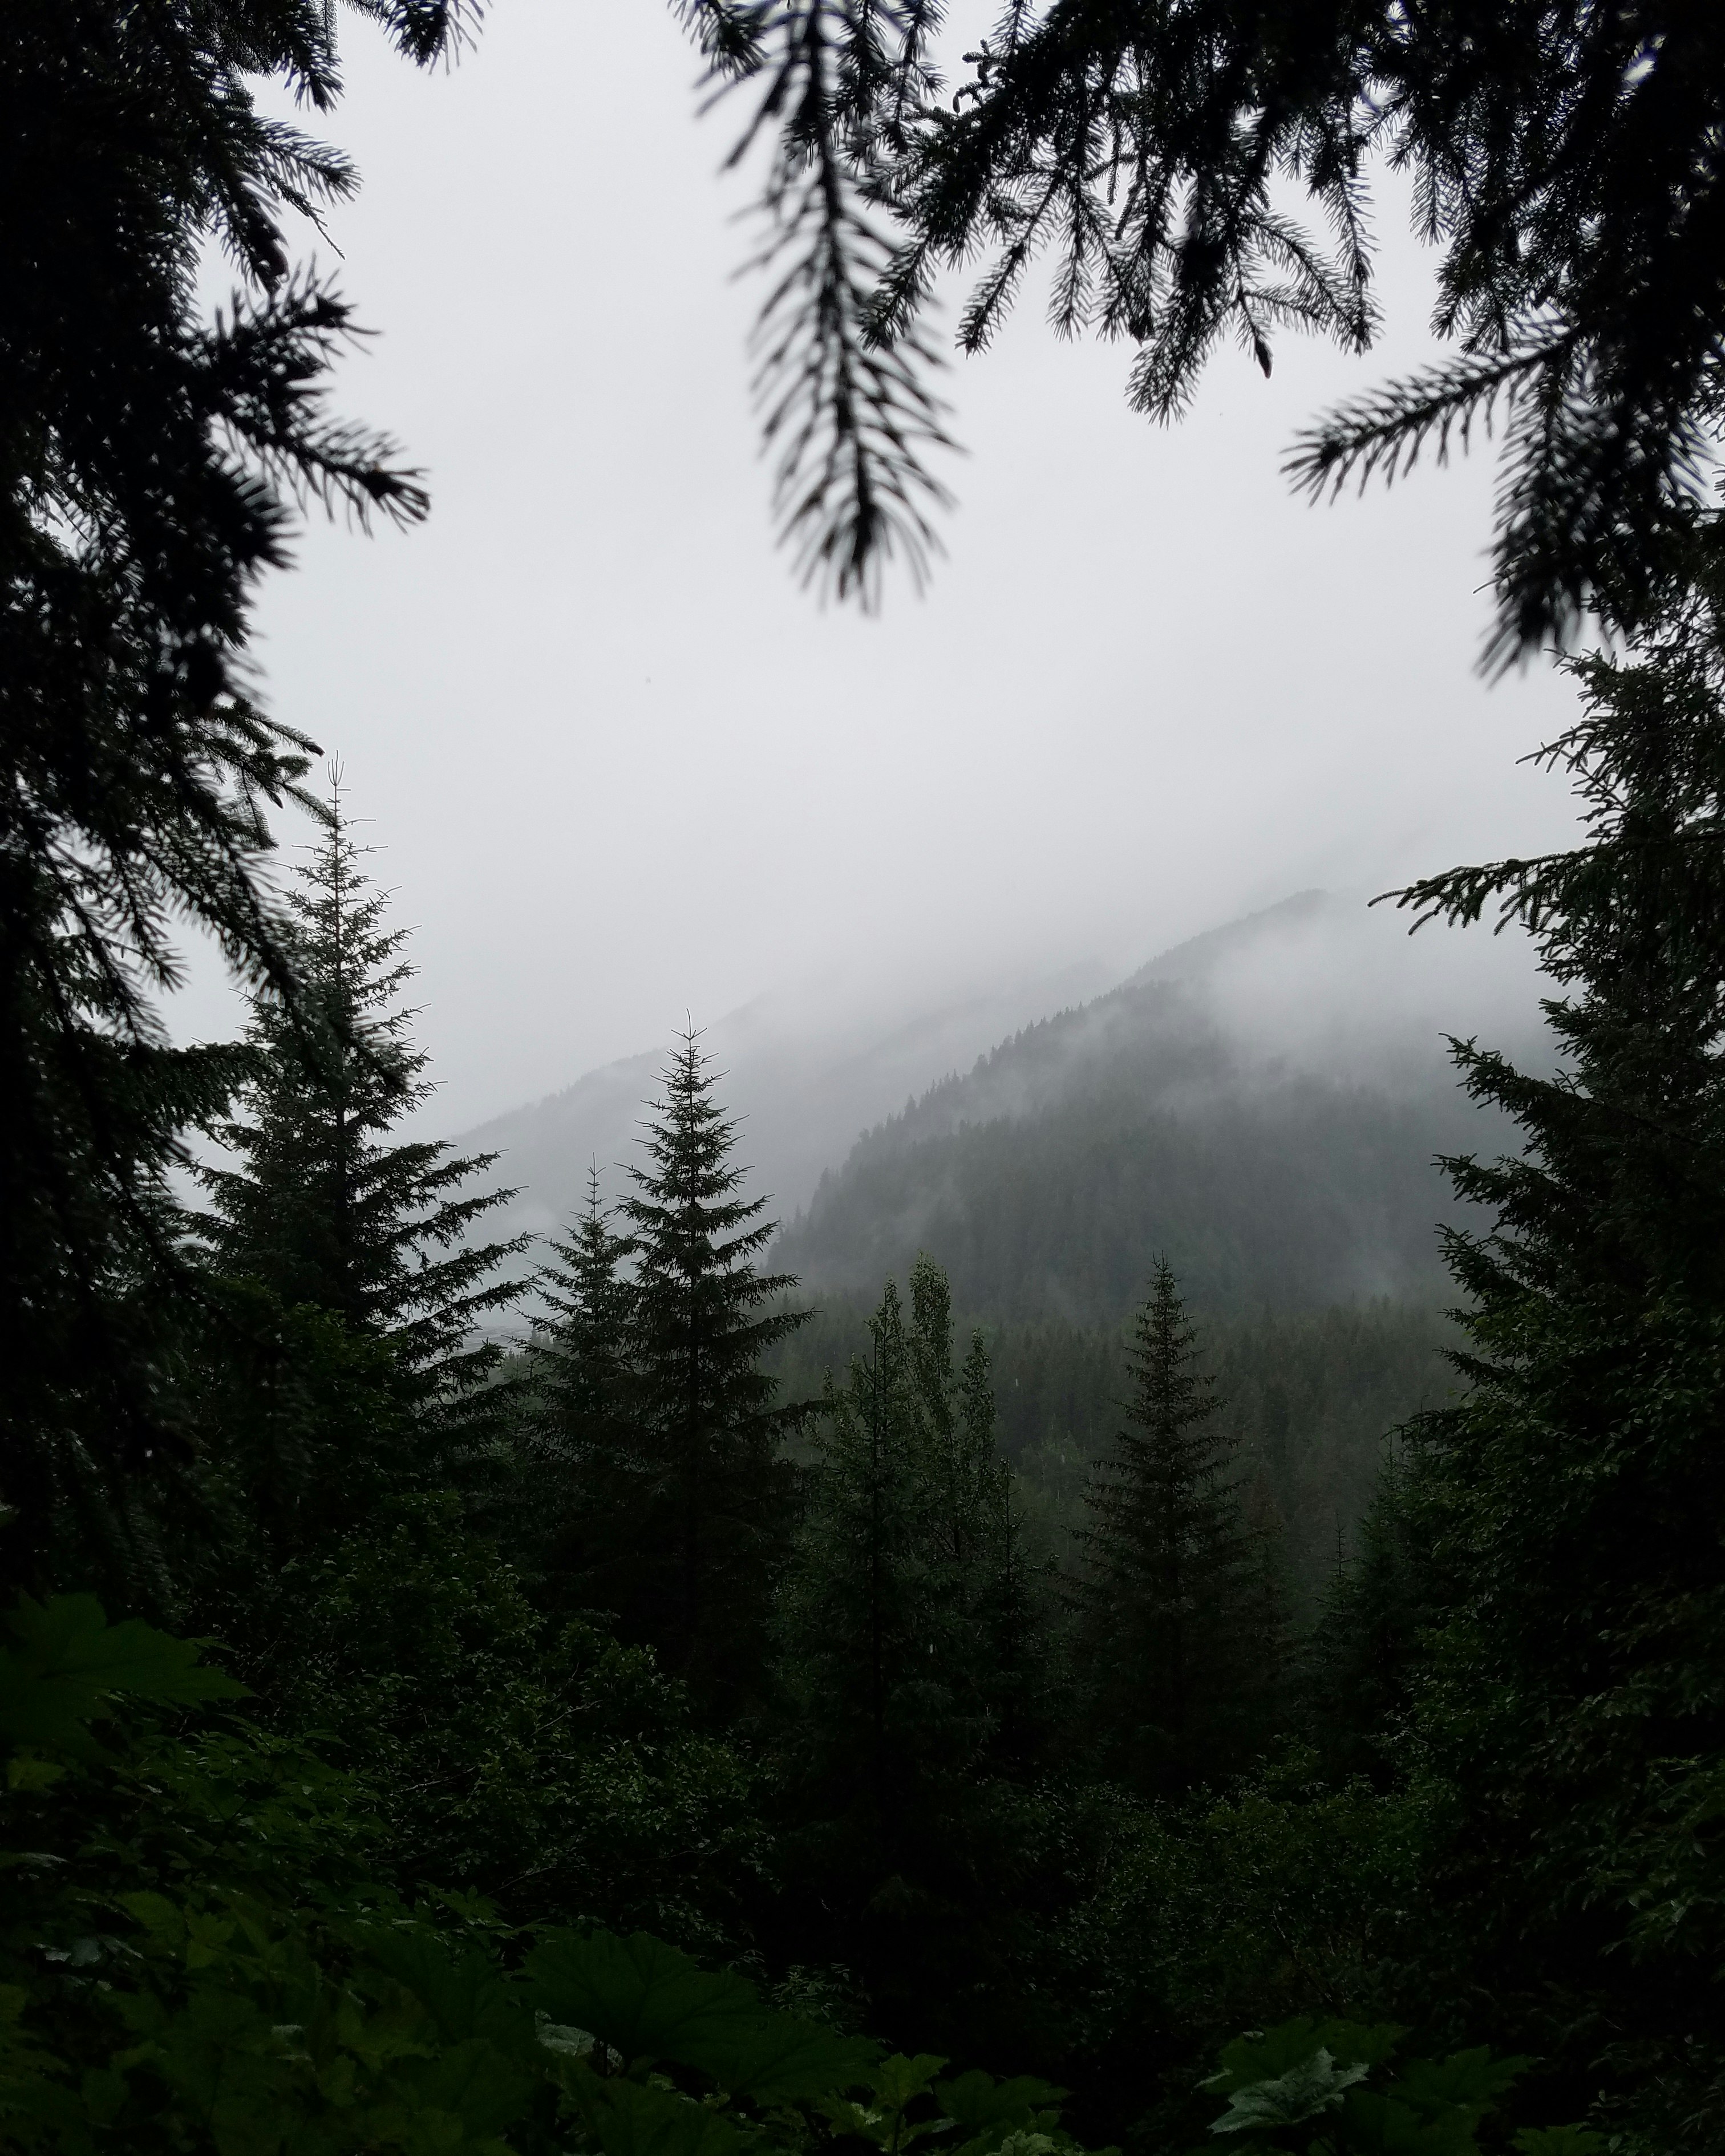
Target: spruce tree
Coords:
[[856, 1620], [957, 1415], [1573, 1708], [1359, 1666], [318, 1206], [712, 1503], [1178, 1632], [148, 467], [583, 1466], [911, 1674], [1009, 1589], [911, 1624]]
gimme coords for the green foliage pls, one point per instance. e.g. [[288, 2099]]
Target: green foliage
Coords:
[[532, 1760], [651, 2006], [1327, 2088], [68, 1666], [1291, 1896], [322, 1207], [1180, 1618], [149, 476], [708, 1499], [195, 1957]]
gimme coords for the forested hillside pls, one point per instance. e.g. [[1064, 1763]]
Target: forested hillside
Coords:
[[1167, 1119], [808, 1075]]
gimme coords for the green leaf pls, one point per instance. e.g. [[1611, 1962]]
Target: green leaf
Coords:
[[1265, 2054], [1559, 2141], [645, 2000], [1024, 2142], [898, 2081], [786, 2060], [472, 2081], [1305, 2091], [1375, 2125], [159, 1918], [1470, 2082], [68, 1663], [463, 1993], [976, 2100], [104, 2092], [26, 1774], [633, 2118]]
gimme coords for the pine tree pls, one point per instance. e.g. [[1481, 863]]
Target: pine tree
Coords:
[[1179, 1633], [148, 470], [1573, 1708], [856, 1621], [319, 1208], [1564, 156], [912, 1675], [583, 1468], [1359, 1666], [913, 1625], [957, 1415], [1010, 1590], [879, 1735], [712, 1511]]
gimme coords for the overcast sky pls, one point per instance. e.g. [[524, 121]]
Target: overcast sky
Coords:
[[623, 768]]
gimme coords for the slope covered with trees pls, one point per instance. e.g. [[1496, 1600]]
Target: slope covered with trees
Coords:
[[1051, 1176]]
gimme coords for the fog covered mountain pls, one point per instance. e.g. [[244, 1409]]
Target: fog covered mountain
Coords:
[[1262, 1105], [802, 1084], [1262, 1102]]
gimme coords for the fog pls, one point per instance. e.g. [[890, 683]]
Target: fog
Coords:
[[621, 769], [1321, 987]]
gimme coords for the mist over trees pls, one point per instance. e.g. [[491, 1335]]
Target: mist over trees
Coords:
[[606, 1746]]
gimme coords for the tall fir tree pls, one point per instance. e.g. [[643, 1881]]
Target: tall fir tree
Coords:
[[865, 1686], [318, 1208], [1009, 1589], [1358, 1664], [149, 468], [1572, 1709], [1180, 1630], [583, 1467], [957, 1416], [909, 1632], [713, 1497]]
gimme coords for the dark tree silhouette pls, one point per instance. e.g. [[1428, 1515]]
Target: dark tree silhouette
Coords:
[[1179, 1628], [713, 1514]]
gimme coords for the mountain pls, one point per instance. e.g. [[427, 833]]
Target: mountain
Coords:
[[1262, 1102], [1262, 1105], [804, 1072]]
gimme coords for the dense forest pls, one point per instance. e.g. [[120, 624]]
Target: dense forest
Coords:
[[1291, 1193], [1311, 1403], [716, 1726]]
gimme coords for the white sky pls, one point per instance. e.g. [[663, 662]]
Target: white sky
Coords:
[[623, 768]]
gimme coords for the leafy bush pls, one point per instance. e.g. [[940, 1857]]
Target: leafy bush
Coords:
[[543, 1766], [1327, 2088], [195, 1959]]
